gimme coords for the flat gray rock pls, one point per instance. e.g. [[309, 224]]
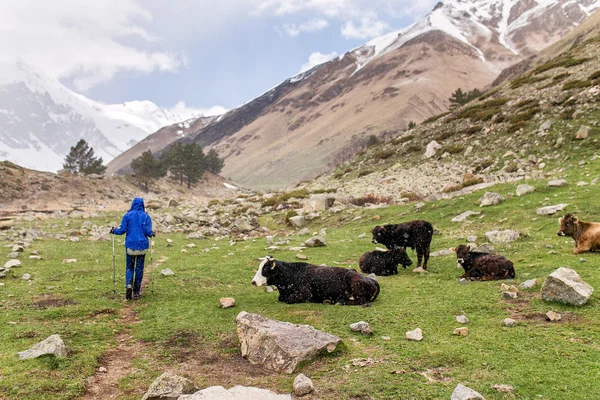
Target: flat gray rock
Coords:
[[522, 190], [490, 199], [462, 392], [557, 183], [303, 385], [12, 264], [551, 210], [167, 272], [464, 216], [316, 241], [280, 346], [566, 286], [415, 335], [528, 284], [51, 345]]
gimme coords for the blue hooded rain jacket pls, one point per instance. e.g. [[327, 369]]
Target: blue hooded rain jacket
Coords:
[[137, 225]]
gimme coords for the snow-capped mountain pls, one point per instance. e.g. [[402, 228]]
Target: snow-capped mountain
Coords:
[[40, 119], [317, 119]]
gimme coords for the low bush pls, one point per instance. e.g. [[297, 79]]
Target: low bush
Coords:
[[370, 199], [475, 180], [365, 172], [483, 164], [410, 195], [577, 84], [567, 62], [435, 118], [454, 148], [403, 139], [384, 154], [473, 130], [594, 76], [514, 127], [526, 80]]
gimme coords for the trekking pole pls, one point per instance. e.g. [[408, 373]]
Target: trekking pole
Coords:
[[151, 270], [114, 266]]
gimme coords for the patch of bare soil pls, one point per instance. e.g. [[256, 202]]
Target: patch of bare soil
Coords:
[[48, 301], [520, 310]]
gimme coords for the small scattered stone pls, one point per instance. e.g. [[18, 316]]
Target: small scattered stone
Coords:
[[419, 270], [362, 236], [582, 260], [463, 331], [169, 386], [582, 183], [191, 245], [462, 392], [167, 272], [509, 322], [464, 216], [490, 199], [443, 252], [386, 338], [505, 236], [503, 388], [553, 316], [69, 261], [362, 327], [463, 281], [513, 289], [509, 295], [583, 132], [419, 206], [471, 239], [102, 370], [26, 277], [35, 257], [551, 210], [462, 319], [301, 257], [415, 335], [17, 248], [227, 302], [528, 284], [303, 385], [557, 183], [316, 241], [14, 254], [504, 287]]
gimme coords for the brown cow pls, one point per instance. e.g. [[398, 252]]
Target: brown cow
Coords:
[[585, 234]]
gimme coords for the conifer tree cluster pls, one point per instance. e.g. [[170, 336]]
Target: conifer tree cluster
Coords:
[[183, 162], [460, 98]]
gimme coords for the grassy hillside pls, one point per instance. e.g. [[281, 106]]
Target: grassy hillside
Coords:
[[180, 327], [525, 127]]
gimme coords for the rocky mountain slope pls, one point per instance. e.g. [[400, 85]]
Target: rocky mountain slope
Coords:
[[529, 126], [40, 119], [313, 121]]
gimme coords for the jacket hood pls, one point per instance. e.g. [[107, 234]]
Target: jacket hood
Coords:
[[137, 205]]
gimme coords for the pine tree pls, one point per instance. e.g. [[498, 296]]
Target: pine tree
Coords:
[[213, 162], [411, 125], [174, 161], [81, 159], [147, 169], [194, 163]]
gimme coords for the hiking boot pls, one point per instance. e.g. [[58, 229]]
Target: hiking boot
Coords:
[[137, 295], [129, 292]]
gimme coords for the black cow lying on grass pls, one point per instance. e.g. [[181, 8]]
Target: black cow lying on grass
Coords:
[[414, 234], [384, 262], [300, 282], [483, 266]]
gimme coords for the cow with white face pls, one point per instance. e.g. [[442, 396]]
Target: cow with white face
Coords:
[[259, 279], [299, 282]]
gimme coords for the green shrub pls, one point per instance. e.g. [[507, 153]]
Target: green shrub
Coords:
[[444, 135], [512, 167], [324, 191], [435, 118], [524, 116], [413, 148], [567, 114], [454, 148], [527, 103], [298, 194], [473, 130], [526, 80], [488, 94], [514, 127], [577, 84], [562, 76], [370, 199], [45, 187], [365, 172], [475, 180], [483, 164], [384, 154], [410, 195], [560, 62], [373, 141], [594, 76], [453, 188], [403, 139], [290, 214]]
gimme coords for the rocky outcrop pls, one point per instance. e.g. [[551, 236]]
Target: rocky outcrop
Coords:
[[280, 346]]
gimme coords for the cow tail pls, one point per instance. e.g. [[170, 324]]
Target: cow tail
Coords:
[[377, 289]]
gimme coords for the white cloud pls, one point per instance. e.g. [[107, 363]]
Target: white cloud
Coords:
[[316, 59], [185, 112], [87, 43], [314, 25], [369, 27]]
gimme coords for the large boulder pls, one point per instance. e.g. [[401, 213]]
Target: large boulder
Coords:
[[316, 241], [298, 221], [169, 386], [431, 149], [51, 345], [464, 216], [318, 202], [505, 236], [280, 346], [235, 393], [462, 392], [566, 286]]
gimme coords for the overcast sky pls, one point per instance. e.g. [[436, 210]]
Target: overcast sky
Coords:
[[204, 53]]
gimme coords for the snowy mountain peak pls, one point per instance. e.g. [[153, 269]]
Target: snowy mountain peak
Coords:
[[41, 119]]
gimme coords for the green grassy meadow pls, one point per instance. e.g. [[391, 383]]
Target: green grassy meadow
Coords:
[[182, 329]]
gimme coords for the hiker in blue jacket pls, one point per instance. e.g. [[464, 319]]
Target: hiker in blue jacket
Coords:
[[137, 224]]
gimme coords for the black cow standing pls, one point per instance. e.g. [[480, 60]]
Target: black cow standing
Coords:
[[383, 262], [414, 234], [300, 282], [483, 266]]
